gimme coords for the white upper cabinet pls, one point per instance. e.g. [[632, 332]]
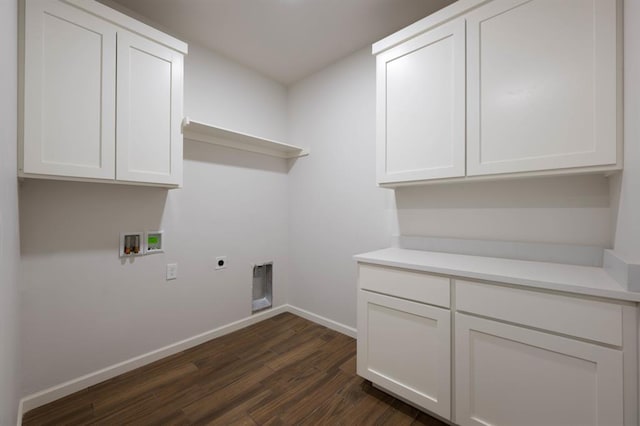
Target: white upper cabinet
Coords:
[[102, 96], [69, 92], [421, 114], [149, 116], [540, 81]]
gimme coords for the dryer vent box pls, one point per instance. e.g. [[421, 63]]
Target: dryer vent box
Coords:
[[262, 287]]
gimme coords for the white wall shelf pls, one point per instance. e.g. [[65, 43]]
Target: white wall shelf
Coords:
[[203, 132]]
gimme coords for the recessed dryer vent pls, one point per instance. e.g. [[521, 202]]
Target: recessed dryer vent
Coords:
[[262, 287]]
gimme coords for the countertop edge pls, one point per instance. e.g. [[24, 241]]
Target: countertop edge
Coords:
[[619, 295]]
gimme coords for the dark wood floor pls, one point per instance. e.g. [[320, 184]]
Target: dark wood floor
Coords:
[[281, 371]]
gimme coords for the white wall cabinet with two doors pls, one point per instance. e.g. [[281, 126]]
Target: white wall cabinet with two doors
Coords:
[[501, 87], [102, 96], [479, 354]]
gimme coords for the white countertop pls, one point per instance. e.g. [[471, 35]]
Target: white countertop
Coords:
[[586, 280]]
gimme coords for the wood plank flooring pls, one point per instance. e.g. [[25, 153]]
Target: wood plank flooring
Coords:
[[282, 371]]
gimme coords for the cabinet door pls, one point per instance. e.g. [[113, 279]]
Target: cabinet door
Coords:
[[149, 138], [405, 347], [421, 107], [69, 92], [542, 85], [508, 375]]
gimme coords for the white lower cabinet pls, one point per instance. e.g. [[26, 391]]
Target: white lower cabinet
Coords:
[[509, 375], [405, 347], [509, 356]]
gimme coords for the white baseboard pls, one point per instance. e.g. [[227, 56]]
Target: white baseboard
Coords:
[[20, 411], [56, 392], [333, 325]]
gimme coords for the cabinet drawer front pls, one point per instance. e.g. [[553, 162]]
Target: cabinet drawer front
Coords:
[[587, 319], [410, 285]]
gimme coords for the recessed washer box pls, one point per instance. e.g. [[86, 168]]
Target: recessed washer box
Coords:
[[131, 244]]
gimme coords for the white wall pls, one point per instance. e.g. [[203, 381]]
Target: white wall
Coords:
[[626, 188], [218, 91], [9, 250], [84, 309], [337, 210], [565, 210]]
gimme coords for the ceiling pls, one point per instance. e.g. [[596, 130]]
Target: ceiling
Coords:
[[285, 40]]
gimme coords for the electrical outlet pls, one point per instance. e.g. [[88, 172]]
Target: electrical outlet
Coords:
[[221, 262], [172, 271]]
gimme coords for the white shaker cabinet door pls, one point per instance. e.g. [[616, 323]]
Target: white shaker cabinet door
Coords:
[[421, 107], [512, 376], [69, 92], [405, 347], [149, 138], [542, 85]]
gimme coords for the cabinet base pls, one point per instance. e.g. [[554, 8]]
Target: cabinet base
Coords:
[[416, 406]]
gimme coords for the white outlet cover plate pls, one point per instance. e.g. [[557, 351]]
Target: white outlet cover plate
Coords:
[[172, 271]]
